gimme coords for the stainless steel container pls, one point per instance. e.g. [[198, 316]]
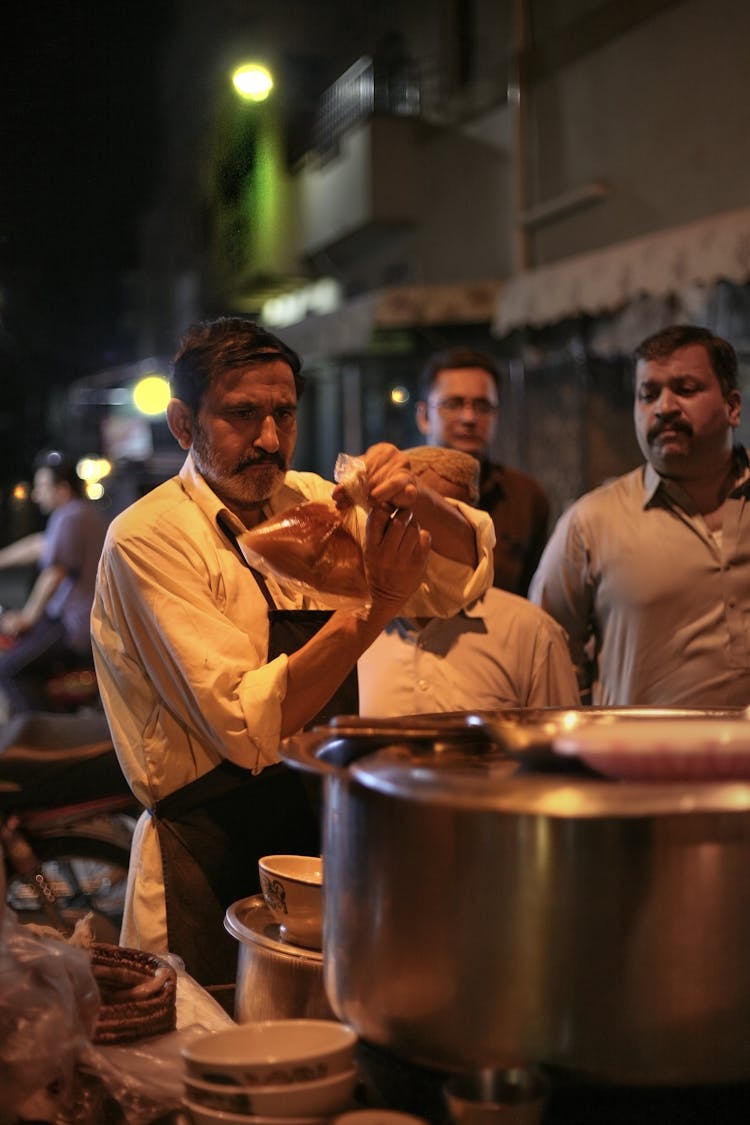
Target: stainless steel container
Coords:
[[275, 980], [478, 914]]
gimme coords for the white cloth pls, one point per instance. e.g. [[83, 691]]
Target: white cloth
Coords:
[[632, 569], [180, 636], [501, 651]]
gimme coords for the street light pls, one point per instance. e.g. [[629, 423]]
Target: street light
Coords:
[[151, 394], [252, 82]]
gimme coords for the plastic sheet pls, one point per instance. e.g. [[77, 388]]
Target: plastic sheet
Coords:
[[50, 1069], [49, 1001]]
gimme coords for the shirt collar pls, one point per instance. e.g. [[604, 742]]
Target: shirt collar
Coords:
[[652, 481], [406, 626], [200, 491], [202, 494]]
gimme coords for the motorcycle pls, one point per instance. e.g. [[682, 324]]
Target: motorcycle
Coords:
[[67, 819], [66, 687]]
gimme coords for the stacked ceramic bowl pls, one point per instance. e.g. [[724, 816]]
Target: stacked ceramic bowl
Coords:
[[292, 886], [274, 1072]]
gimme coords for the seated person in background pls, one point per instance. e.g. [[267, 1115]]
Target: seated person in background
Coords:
[[51, 631], [500, 651]]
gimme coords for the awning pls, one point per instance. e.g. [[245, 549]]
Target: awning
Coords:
[[602, 281], [349, 330]]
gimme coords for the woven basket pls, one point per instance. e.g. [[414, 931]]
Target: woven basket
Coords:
[[138, 992]]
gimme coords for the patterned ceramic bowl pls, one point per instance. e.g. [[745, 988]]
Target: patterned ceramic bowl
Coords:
[[292, 886]]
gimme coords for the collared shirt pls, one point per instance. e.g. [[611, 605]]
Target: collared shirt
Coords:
[[180, 637], [520, 514], [633, 570], [501, 651]]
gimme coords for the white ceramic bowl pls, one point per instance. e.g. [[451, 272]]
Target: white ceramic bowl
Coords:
[[271, 1052], [204, 1115], [315, 1099], [292, 887], [377, 1117]]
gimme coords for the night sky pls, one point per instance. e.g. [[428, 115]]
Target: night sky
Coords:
[[81, 125]]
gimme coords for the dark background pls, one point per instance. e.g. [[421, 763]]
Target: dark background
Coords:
[[80, 144]]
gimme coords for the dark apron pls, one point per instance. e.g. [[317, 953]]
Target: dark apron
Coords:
[[213, 831]]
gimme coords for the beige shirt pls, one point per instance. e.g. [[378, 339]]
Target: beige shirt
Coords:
[[501, 651], [180, 637], [632, 565]]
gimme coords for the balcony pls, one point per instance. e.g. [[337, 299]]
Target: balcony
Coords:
[[369, 187]]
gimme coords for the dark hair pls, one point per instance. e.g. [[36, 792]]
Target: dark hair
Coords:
[[61, 468], [721, 354], [451, 359], [212, 347]]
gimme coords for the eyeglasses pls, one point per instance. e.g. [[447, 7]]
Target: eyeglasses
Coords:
[[456, 404]]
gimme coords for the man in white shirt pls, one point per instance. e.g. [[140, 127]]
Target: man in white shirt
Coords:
[[198, 675], [499, 652]]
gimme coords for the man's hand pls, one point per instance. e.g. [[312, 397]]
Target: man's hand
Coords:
[[396, 550], [390, 480]]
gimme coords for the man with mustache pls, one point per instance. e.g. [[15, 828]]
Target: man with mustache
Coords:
[[205, 666], [650, 574]]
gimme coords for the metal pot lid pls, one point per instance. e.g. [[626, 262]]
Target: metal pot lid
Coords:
[[506, 788], [508, 761], [250, 921]]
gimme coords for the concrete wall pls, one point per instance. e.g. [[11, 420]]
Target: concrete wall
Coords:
[[662, 114]]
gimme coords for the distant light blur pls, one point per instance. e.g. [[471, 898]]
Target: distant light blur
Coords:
[[92, 470], [399, 396], [252, 82], [20, 492], [151, 394]]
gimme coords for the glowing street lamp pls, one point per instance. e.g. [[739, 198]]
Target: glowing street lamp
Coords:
[[151, 394], [252, 82]]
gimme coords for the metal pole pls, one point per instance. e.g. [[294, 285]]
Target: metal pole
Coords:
[[517, 98]]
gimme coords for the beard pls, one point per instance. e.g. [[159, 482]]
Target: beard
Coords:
[[248, 482]]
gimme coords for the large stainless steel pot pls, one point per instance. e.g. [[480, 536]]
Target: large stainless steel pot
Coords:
[[479, 914]]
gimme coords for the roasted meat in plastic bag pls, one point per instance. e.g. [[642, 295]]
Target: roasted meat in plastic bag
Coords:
[[311, 546]]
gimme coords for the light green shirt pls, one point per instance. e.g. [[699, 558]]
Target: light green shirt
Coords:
[[633, 574]]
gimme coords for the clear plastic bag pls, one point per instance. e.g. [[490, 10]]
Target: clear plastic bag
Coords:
[[316, 547], [51, 1070], [351, 474], [49, 1002]]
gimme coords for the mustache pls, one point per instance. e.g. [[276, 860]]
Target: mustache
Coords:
[[677, 427], [262, 459]]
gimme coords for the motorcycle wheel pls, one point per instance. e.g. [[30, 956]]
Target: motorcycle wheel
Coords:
[[86, 875]]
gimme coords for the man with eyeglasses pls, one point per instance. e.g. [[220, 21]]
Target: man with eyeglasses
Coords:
[[204, 665], [458, 407]]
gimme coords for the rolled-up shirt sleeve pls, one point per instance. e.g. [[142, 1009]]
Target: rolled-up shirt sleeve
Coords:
[[180, 641], [449, 585]]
